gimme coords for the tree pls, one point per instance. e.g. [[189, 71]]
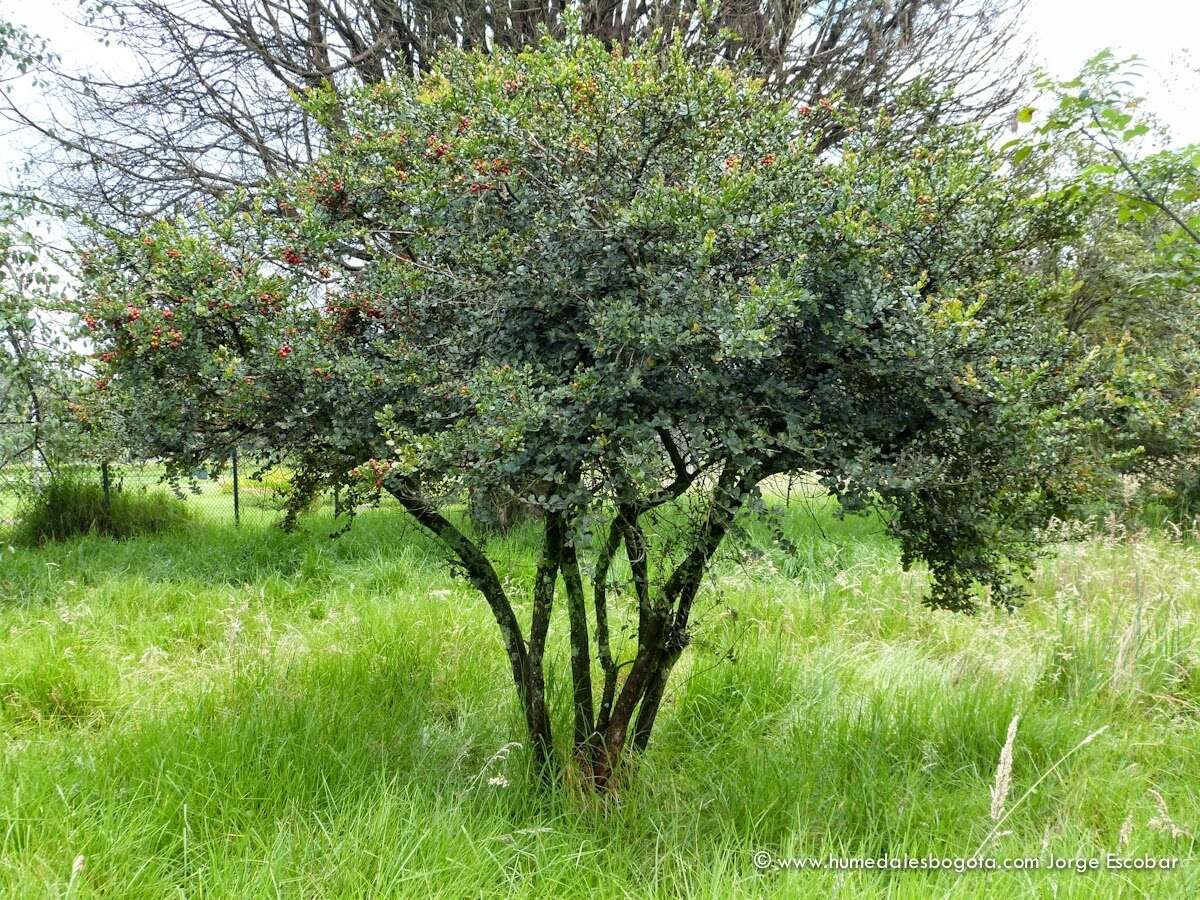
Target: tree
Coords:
[[630, 280], [42, 428], [1130, 276], [31, 379], [1096, 119], [22, 392], [205, 104]]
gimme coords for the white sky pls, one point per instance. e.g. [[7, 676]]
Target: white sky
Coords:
[[1062, 35], [1164, 33]]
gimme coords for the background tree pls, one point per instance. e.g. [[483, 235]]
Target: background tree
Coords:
[[1130, 277], [32, 351], [43, 429], [24, 343], [629, 279], [200, 99]]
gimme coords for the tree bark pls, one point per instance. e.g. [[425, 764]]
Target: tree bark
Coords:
[[483, 576], [663, 625], [541, 735], [627, 715], [681, 589], [581, 657], [603, 646]]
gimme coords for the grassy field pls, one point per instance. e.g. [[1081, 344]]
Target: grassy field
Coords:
[[223, 712]]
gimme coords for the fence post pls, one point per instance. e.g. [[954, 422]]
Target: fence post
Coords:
[[237, 501], [106, 483]]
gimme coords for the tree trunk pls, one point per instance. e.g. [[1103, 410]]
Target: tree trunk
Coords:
[[540, 734], [626, 715], [663, 626], [581, 657], [526, 677]]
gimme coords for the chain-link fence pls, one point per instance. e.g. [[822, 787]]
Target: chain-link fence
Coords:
[[232, 496], [241, 493], [20, 469]]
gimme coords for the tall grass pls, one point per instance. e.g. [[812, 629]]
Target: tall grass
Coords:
[[69, 505], [245, 713]]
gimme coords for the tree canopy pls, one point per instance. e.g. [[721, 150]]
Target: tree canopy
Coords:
[[1129, 278]]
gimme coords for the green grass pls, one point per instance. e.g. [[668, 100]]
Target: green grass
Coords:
[[220, 712]]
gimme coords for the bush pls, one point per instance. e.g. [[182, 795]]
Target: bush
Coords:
[[625, 289], [68, 506]]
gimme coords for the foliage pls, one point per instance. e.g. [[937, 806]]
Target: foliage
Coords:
[[71, 504], [633, 281], [1095, 130], [30, 382], [1131, 275], [20, 51], [42, 427], [205, 104], [39, 368]]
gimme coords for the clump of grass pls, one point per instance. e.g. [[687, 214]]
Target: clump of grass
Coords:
[[45, 689], [69, 506]]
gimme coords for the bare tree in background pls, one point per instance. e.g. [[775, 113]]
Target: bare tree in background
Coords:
[[209, 105]]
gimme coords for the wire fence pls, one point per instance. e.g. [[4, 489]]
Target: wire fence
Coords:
[[20, 471], [239, 494], [230, 497]]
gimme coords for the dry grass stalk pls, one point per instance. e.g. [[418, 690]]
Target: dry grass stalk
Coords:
[[1003, 782]]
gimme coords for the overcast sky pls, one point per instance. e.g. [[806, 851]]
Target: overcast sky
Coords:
[[1062, 35], [1164, 33]]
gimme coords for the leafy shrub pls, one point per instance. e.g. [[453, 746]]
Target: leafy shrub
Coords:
[[70, 505]]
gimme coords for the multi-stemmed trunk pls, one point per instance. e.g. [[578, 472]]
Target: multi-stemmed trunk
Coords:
[[626, 711]]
